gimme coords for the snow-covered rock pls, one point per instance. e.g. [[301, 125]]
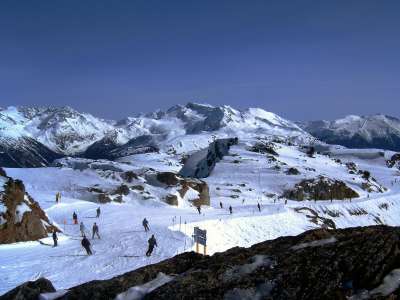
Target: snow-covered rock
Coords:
[[21, 218]]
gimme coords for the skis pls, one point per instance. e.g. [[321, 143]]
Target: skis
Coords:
[[69, 255], [131, 256], [45, 244]]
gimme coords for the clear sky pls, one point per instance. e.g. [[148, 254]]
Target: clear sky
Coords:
[[300, 59]]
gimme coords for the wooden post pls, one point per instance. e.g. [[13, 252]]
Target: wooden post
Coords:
[[197, 247], [205, 250]]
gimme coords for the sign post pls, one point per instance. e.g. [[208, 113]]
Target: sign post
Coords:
[[200, 237]]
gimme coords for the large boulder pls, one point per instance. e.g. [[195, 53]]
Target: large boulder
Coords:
[[193, 190], [321, 188], [30, 290], [361, 263], [21, 218]]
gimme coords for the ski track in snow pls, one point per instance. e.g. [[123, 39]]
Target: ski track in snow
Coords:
[[123, 241]]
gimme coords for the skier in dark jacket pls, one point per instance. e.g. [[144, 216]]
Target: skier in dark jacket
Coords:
[[220, 204], [86, 244], [95, 231], [55, 238], [199, 209], [259, 207], [230, 209], [98, 212], [75, 218], [152, 242], [146, 225]]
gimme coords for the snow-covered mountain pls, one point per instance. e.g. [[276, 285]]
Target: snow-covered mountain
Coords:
[[375, 131], [51, 132]]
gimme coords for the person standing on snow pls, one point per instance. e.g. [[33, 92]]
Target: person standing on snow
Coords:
[[86, 244], [146, 225], [152, 242], [75, 218], [199, 209], [55, 238], [230, 209], [259, 207], [95, 231], [98, 212], [82, 228], [220, 204], [58, 197]]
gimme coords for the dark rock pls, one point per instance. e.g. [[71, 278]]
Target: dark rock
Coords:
[[171, 200], [109, 289], [318, 264], [30, 290], [198, 185], [137, 187], [23, 219], [321, 188], [129, 176], [264, 148], [394, 161], [292, 171], [104, 198], [168, 178], [123, 189]]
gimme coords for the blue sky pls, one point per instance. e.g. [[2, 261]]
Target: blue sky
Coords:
[[300, 59]]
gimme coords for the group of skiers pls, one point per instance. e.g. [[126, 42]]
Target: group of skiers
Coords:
[[152, 242]]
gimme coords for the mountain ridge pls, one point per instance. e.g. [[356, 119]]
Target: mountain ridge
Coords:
[[64, 131], [370, 131]]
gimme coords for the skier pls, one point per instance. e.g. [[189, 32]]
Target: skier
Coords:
[[82, 228], [95, 231], [230, 209], [259, 207], [98, 212], [55, 238], [86, 244], [152, 242], [75, 218], [146, 225], [58, 197], [199, 209], [220, 204]]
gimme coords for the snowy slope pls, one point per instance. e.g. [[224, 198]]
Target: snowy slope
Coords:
[[375, 131], [241, 180]]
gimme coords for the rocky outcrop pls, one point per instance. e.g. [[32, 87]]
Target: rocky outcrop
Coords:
[[30, 290], [21, 218], [201, 163], [292, 171], [194, 190], [320, 264], [394, 161], [264, 148], [321, 188]]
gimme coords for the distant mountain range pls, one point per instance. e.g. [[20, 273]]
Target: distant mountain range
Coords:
[[33, 137], [375, 131]]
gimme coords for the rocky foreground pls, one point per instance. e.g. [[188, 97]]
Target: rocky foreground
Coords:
[[362, 263]]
